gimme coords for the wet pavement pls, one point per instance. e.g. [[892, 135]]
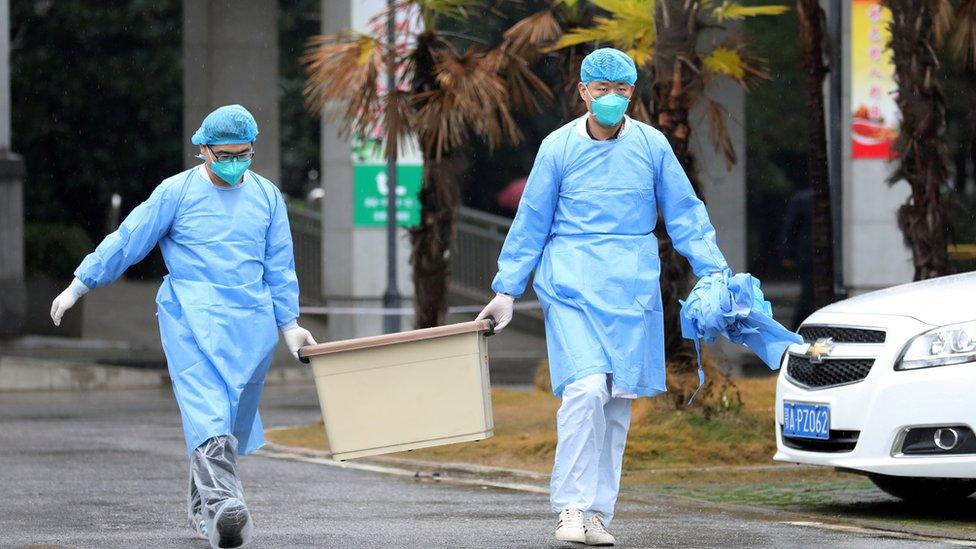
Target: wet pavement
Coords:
[[108, 469]]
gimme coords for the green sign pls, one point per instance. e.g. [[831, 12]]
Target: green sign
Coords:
[[370, 191]]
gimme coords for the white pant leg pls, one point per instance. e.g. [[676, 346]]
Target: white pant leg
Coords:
[[617, 414], [580, 429]]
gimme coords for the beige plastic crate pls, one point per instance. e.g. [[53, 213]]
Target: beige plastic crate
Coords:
[[404, 391]]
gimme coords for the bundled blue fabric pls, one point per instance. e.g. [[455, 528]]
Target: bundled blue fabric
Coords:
[[734, 307]]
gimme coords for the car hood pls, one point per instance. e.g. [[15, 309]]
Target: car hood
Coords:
[[937, 301]]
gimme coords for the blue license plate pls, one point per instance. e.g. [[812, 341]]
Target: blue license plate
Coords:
[[803, 420]]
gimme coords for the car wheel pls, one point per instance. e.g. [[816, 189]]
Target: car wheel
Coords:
[[925, 490]]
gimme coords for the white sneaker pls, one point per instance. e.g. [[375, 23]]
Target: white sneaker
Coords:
[[570, 526], [596, 533]]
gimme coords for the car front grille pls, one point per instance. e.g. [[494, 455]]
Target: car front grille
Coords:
[[829, 373], [839, 441], [842, 335]]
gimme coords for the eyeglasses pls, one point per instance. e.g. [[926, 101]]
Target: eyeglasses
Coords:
[[231, 157]]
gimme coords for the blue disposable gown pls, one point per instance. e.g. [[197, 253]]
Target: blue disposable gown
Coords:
[[585, 224], [231, 283], [735, 308]]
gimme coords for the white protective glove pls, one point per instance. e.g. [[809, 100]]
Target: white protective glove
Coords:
[[500, 308], [296, 337], [67, 300]]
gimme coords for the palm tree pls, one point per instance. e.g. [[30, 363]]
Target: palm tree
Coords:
[[812, 22], [917, 27], [922, 157], [663, 37], [446, 94], [962, 42], [963, 39]]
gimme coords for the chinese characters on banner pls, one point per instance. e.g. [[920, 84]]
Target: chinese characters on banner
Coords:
[[875, 114]]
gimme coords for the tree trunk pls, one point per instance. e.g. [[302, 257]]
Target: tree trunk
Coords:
[[971, 139], [677, 84], [812, 22], [674, 83], [923, 160], [433, 240]]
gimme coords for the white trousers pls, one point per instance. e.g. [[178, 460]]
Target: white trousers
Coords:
[[591, 429]]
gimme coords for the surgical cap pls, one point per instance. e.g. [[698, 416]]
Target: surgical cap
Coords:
[[228, 125], [610, 65]]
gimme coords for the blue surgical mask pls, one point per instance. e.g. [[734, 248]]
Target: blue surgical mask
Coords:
[[608, 109], [230, 170]]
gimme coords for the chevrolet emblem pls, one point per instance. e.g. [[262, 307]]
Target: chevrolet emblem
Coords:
[[820, 350]]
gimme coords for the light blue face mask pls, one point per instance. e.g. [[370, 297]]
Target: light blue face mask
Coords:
[[608, 109], [229, 170]]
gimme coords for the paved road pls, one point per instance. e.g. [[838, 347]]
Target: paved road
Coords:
[[107, 469]]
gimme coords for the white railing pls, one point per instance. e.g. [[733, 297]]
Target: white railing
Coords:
[[480, 237], [474, 262], [306, 233]]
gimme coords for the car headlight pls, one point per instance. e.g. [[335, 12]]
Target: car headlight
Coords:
[[943, 346]]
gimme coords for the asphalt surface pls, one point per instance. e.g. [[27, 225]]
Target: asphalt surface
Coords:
[[108, 469]]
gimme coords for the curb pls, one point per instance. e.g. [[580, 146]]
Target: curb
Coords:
[[422, 467], [36, 374], [534, 482], [389, 466]]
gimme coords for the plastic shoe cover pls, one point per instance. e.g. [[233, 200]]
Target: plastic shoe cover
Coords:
[[194, 511], [224, 516], [231, 525]]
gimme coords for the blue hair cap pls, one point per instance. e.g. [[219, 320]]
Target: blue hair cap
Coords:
[[228, 125], [608, 64]]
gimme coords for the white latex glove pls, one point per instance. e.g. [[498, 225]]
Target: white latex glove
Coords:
[[296, 337], [501, 309], [67, 300]]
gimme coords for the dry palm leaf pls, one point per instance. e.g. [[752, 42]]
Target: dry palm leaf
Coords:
[[533, 32], [343, 74], [963, 40]]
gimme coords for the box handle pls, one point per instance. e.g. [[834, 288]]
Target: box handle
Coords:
[[491, 327]]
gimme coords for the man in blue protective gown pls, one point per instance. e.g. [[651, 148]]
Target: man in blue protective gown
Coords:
[[224, 235], [585, 225]]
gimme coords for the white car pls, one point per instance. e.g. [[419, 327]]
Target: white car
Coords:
[[885, 384]]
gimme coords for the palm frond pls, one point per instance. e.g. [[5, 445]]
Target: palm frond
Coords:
[[534, 31], [963, 40], [729, 60], [343, 72], [721, 140], [576, 37], [725, 61], [624, 9], [640, 111], [526, 90], [624, 34], [470, 95], [941, 18], [397, 124], [630, 27], [735, 11], [453, 9]]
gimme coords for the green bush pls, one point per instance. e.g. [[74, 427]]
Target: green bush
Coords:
[[54, 250]]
